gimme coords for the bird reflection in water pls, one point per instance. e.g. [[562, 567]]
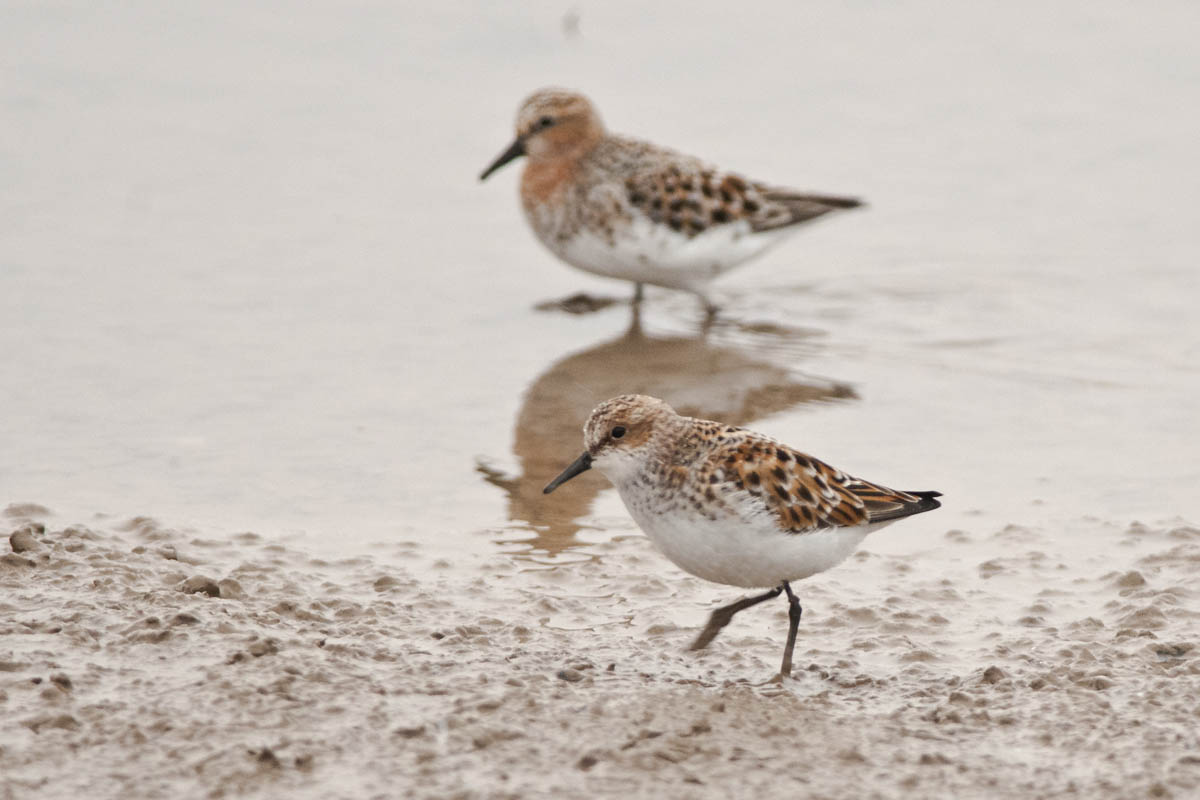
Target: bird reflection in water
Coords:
[[734, 379]]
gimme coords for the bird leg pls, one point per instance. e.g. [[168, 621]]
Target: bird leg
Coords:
[[794, 612], [639, 291], [721, 616]]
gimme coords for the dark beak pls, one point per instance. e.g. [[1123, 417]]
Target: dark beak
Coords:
[[514, 151], [581, 464]]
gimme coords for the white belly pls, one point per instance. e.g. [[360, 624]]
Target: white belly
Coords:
[[647, 252], [743, 553]]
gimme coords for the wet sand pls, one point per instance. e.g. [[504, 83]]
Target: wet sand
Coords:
[[141, 661]]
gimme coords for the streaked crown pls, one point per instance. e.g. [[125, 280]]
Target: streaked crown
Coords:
[[624, 423]]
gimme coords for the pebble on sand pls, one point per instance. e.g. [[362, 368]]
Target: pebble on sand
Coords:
[[22, 539], [200, 584]]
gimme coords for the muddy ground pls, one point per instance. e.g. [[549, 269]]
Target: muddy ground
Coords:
[[141, 661]]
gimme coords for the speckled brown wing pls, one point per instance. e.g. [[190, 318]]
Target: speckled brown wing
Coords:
[[806, 494], [692, 199]]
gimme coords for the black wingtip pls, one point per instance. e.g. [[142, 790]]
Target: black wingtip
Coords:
[[899, 509], [928, 503], [847, 202], [835, 201]]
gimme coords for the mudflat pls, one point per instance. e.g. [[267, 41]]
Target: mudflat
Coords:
[[138, 660]]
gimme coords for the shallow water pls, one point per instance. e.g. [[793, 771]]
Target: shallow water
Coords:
[[265, 291], [249, 282]]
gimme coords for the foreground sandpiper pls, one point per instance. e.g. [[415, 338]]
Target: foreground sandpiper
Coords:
[[628, 209], [733, 506]]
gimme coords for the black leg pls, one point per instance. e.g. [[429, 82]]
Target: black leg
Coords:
[[638, 293], [721, 616], [794, 611]]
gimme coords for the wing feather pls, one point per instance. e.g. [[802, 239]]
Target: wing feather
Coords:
[[805, 494], [692, 198]]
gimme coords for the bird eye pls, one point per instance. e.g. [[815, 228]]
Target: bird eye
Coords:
[[618, 432], [545, 122]]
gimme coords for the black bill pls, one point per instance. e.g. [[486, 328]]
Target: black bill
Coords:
[[581, 464], [514, 151]]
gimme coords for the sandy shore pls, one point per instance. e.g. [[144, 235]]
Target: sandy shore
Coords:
[[141, 661]]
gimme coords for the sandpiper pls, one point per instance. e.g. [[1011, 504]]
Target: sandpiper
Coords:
[[733, 506], [631, 210]]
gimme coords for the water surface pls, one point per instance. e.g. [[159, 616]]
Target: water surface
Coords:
[[248, 280]]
